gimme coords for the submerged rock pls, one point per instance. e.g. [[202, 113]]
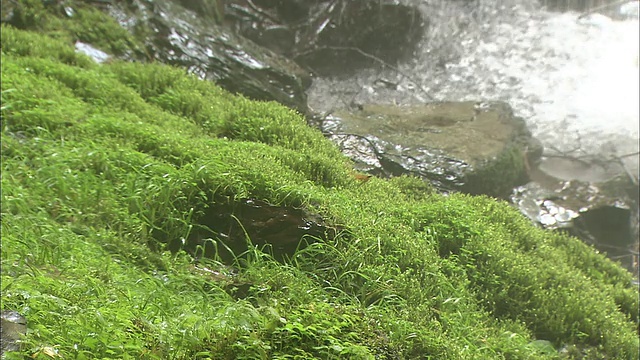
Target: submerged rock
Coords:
[[603, 212], [474, 147]]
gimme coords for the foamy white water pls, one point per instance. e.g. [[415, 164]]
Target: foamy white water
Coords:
[[574, 80], [568, 77]]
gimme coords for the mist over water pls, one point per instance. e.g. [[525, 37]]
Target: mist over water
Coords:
[[574, 79]]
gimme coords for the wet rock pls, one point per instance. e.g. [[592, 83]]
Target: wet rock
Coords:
[[268, 23], [7, 11], [97, 55], [207, 9], [178, 36], [474, 147], [290, 11], [331, 37], [227, 227], [603, 214], [348, 35], [13, 327]]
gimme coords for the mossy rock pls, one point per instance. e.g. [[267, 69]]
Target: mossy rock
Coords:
[[474, 147]]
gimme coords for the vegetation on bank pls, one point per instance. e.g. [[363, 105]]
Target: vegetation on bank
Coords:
[[101, 162]]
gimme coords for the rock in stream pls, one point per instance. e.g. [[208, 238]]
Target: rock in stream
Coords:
[[594, 201], [474, 147]]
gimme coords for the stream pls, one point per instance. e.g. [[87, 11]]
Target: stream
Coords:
[[573, 78]]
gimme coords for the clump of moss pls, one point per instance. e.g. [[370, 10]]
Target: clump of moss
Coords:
[[103, 163], [496, 178], [71, 21]]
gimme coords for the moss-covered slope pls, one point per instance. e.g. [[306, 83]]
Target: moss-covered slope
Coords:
[[99, 162]]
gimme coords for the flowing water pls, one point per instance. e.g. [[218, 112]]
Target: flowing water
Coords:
[[573, 78]]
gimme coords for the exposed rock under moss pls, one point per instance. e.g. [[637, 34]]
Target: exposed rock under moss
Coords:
[[228, 228], [14, 327]]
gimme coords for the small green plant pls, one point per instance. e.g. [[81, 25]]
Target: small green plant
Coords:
[[6, 104]]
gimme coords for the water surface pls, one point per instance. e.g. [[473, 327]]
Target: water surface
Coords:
[[573, 78]]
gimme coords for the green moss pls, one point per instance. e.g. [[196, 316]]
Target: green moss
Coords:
[[85, 23], [103, 165], [496, 177]]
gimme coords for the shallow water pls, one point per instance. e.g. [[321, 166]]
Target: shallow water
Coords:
[[574, 79]]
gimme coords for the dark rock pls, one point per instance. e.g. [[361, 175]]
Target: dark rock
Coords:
[[603, 214], [178, 36], [478, 148], [263, 22], [207, 9], [331, 37], [8, 12], [290, 11], [345, 36], [12, 328], [230, 228]]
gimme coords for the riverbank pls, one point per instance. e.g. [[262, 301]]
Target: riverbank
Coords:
[[107, 168]]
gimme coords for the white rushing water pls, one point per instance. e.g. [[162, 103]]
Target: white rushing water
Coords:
[[573, 78]]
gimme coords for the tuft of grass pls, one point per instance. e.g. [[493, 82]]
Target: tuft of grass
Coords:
[[107, 167]]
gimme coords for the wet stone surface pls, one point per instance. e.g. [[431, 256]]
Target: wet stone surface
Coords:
[[601, 214], [178, 36], [331, 37], [13, 327], [475, 147], [97, 55]]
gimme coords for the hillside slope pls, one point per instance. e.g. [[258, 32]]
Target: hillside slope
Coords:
[[105, 167]]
